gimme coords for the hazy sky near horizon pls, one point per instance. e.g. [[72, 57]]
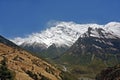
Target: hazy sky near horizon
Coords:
[[22, 17]]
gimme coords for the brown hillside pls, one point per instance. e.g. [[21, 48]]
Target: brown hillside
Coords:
[[27, 66]]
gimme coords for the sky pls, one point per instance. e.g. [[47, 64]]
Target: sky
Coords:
[[23, 17]]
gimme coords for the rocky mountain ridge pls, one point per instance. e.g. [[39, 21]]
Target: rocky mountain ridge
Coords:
[[96, 41], [63, 34]]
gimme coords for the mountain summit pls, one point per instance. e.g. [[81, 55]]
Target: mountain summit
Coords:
[[63, 34]]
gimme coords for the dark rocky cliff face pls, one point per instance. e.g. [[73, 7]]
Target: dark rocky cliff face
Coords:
[[96, 41]]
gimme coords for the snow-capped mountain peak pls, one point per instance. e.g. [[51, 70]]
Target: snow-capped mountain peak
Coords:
[[99, 33], [113, 27], [65, 34]]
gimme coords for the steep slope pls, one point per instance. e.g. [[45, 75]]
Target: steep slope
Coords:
[[24, 65], [96, 41], [92, 52], [62, 35], [7, 42]]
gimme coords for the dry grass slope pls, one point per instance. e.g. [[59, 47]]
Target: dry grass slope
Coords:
[[27, 66]]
